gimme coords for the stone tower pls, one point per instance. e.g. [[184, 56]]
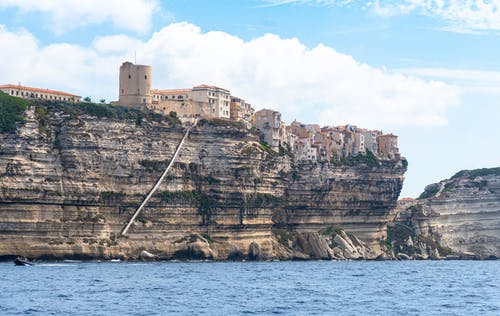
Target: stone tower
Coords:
[[135, 85]]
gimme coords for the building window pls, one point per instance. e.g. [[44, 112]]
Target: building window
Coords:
[[129, 77], [146, 77], [123, 90]]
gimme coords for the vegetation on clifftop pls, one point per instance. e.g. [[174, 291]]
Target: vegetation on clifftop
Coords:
[[429, 191], [471, 174], [11, 112], [100, 110], [368, 159]]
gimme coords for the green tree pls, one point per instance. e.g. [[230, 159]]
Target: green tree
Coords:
[[11, 111]]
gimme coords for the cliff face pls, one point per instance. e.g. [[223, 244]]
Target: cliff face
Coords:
[[70, 182], [460, 216]]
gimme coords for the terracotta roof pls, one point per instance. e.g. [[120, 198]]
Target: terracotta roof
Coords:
[[19, 87], [206, 86], [170, 91]]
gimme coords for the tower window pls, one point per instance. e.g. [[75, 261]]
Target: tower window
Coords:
[[146, 77], [123, 91], [129, 76]]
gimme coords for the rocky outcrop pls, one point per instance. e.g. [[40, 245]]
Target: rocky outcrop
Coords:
[[73, 177], [456, 218]]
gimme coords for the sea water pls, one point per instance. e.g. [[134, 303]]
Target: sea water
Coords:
[[259, 288]]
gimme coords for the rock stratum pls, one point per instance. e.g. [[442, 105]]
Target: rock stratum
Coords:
[[71, 179], [455, 218]]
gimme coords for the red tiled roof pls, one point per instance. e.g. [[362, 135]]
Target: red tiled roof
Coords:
[[19, 87]]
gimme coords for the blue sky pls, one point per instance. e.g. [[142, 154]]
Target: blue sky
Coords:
[[426, 70]]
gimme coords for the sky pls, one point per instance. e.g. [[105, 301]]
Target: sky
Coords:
[[426, 70]]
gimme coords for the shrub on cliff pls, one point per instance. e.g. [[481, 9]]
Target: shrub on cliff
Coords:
[[11, 111], [368, 159], [429, 191], [471, 174]]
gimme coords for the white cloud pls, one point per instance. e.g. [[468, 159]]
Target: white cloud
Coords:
[[464, 15], [62, 66], [484, 81], [115, 44], [312, 84], [64, 15]]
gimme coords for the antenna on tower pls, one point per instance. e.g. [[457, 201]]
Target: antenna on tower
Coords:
[[135, 57]]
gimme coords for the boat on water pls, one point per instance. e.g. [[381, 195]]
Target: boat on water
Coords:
[[23, 261]]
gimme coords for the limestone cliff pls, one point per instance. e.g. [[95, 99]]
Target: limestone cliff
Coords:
[[71, 178], [458, 218]]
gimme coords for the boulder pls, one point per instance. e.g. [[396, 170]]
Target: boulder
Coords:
[[348, 249], [300, 256], [147, 256], [420, 257], [200, 250], [403, 256], [315, 245]]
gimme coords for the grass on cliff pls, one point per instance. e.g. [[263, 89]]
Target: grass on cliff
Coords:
[[260, 200], [11, 112], [102, 110], [471, 174], [429, 191], [368, 159]]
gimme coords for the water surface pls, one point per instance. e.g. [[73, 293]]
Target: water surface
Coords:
[[260, 288]]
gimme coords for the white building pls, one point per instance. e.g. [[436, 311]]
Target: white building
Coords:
[[37, 93], [218, 98], [204, 100]]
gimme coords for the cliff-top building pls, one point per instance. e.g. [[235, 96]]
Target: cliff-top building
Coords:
[[272, 128], [135, 86], [37, 93], [388, 146]]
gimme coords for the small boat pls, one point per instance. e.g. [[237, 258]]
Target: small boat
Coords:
[[23, 261]]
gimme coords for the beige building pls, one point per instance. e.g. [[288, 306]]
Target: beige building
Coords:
[[304, 151], [37, 93], [359, 144], [218, 98], [371, 140], [203, 100], [170, 95], [272, 128], [135, 86], [183, 108], [335, 142], [240, 110], [300, 130], [388, 146]]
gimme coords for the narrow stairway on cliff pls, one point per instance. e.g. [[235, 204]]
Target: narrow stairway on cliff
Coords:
[[160, 180]]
